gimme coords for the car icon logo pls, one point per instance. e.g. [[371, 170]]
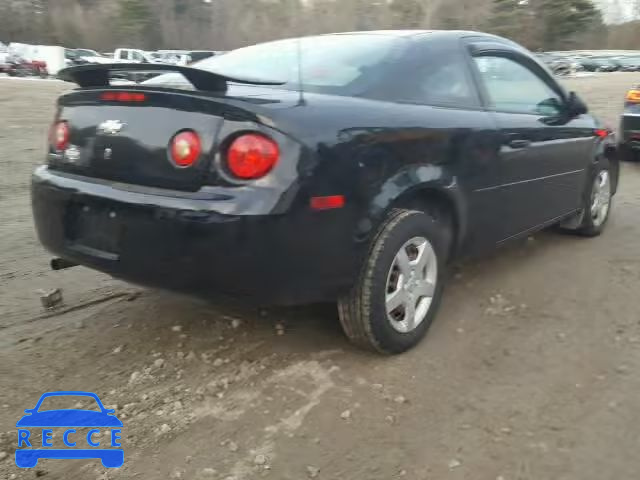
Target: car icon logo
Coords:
[[39, 423], [111, 127], [72, 154]]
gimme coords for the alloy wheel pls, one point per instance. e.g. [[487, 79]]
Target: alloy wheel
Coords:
[[601, 198], [411, 284]]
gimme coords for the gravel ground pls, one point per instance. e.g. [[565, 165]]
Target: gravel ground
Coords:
[[529, 373]]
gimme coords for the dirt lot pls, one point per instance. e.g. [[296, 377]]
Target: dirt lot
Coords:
[[530, 372]]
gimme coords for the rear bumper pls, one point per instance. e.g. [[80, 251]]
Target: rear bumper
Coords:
[[198, 245], [111, 458], [630, 130], [630, 133]]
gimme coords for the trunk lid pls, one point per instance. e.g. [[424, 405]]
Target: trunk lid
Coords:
[[129, 142]]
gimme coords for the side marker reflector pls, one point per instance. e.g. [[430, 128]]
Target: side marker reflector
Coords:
[[327, 203]]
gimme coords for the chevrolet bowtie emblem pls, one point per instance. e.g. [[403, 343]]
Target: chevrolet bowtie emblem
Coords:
[[111, 127]]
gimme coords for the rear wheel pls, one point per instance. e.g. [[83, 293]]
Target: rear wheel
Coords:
[[26, 459], [398, 292], [112, 460]]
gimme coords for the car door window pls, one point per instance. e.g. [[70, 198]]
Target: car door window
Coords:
[[136, 56], [513, 87]]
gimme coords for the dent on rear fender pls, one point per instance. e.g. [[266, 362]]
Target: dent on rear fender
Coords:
[[402, 182], [408, 181]]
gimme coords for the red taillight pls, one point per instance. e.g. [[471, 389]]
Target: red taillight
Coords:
[[59, 135], [134, 97], [252, 156], [601, 132], [185, 148], [327, 203]]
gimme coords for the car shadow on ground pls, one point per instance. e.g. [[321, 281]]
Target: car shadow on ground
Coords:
[[160, 320]]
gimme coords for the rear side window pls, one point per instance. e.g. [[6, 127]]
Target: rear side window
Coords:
[[514, 87], [434, 74]]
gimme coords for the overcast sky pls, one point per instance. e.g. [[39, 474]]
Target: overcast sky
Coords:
[[616, 11]]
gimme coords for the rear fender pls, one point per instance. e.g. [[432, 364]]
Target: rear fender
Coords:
[[416, 184]]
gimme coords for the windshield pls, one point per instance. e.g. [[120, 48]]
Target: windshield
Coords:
[[337, 64]]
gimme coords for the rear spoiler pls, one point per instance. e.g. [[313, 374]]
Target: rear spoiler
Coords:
[[97, 75]]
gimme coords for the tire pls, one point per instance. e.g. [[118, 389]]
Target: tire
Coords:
[[594, 218], [363, 310]]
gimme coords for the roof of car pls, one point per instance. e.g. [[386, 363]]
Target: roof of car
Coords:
[[414, 33], [391, 33]]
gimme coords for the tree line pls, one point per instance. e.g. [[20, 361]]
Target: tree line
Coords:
[[227, 24]]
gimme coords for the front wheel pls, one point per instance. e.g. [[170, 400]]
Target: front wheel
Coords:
[[398, 292], [597, 203]]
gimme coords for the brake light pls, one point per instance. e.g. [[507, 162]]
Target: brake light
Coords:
[[123, 97], [252, 156], [59, 135], [633, 95], [601, 132], [185, 148]]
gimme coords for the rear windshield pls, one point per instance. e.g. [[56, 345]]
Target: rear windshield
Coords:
[[335, 64]]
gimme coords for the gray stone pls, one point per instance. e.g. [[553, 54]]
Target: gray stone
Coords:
[[312, 471]]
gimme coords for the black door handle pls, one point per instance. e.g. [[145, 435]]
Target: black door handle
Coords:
[[519, 144]]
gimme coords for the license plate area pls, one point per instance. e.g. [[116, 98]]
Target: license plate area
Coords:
[[95, 229]]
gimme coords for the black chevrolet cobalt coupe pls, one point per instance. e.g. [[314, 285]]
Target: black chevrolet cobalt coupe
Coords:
[[349, 167]]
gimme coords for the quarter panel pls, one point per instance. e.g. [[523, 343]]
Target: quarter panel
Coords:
[[376, 152]]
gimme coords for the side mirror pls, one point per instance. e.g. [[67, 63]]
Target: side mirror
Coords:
[[576, 106], [551, 107]]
